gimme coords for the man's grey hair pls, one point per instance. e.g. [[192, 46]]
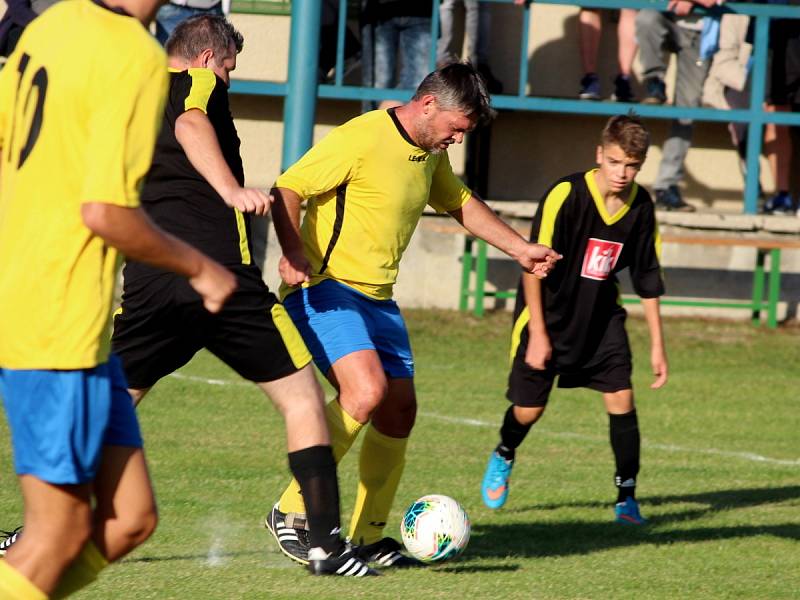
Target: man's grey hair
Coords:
[[458, 86], [198, 33]]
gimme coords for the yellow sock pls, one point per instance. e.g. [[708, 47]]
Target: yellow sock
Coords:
[[380, 467], [15, 586], [344, 431], [82, 572]]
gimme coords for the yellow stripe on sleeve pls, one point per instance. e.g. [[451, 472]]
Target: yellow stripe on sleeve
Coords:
[[203, 82], [552, 204], [516, 333], [291, 337]]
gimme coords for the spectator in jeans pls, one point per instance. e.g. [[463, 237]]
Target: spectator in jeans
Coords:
[[176, 11], [477, 28], [728, 87], [590, 22], [396, 29], [692, 38]]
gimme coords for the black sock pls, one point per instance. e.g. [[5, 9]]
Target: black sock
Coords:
[[315, 471], [625, 442], [511, 434]]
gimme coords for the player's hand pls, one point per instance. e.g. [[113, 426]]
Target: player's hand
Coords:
[[680, 7], [214, 283], [539, 351], [658, 360], [294, 268], [538, 260], [249, 200]]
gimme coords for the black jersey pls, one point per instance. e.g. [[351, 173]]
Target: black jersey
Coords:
[[176, 196], [581, 294]]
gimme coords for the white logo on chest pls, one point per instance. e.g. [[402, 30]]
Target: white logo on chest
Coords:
[[600, 258]]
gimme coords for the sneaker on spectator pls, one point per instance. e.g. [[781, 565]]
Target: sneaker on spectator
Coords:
[[670, 199], [655, 91], [779, 204], [590, 87], [494, 85], [622, 90]]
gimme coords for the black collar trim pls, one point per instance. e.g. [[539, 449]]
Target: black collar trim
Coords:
[[400, 128], [114, 9]]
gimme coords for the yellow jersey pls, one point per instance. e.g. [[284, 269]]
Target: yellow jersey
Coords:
[[81, 100], [367, 184]]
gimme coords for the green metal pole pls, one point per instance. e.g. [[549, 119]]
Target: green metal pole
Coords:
[[480, 278], [758, 286], [774, 293], [466, 274], [301, 87]]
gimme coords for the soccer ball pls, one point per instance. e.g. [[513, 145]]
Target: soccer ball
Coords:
[[435, 528]]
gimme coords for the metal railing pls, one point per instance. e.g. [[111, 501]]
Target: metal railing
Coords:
[[305, 48]]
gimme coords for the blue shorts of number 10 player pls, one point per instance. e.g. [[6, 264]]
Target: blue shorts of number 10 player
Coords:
[[60, 420], [336, 320]]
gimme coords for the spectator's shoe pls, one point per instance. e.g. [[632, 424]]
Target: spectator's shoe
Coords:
[[670, 199], [779, 204], [622, 90], [590, 87], [345, 564], [628, 513], [291, 533], [7, 538], [655, 91], [386, 553], [494, 488], [494, 85]]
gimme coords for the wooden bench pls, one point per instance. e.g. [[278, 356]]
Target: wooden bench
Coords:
[[475, 261]]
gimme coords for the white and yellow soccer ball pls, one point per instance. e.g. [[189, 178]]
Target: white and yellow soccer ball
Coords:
[[435, 528]]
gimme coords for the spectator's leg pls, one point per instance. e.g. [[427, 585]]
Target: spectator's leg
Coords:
[[385, 58], [778, 150], [653, 30], [472, 29], [445, 49], [691, 75], [626, 40], [590, 23], [484, 32], [415, 51]]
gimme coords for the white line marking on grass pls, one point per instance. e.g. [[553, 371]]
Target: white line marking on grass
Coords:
[[666, 447], [751, 456]]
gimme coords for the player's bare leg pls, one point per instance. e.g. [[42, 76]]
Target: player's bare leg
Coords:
[[626, 444], [57, 525], [137, 395], [361, 382]]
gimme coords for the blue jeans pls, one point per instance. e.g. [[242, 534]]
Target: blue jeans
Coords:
[[410, 39], [170, 15]]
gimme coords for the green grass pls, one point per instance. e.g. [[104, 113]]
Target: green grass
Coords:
[[724, 523]]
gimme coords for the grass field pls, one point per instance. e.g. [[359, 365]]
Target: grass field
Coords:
[[720, 478]]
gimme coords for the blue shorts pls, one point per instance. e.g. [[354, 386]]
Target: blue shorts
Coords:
[[336, 320], [60, 420]]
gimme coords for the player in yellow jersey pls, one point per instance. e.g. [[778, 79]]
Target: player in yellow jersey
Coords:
[[81, 99], [367, 184]]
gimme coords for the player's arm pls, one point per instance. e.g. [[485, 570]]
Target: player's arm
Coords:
[[197, 137], [539, 349], [482, 222], [658, 353], [293, 267], [132, 233]]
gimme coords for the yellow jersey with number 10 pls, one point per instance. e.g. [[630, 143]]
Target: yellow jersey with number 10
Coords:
[[81, 100]]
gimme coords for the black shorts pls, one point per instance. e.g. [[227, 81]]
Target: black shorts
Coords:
[[162, 324], [608, 370]]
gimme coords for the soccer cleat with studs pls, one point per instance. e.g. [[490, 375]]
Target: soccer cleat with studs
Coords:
[[346, 564], [494, 488], [628, 513], [386, 553], [7, 538], [291, 532]]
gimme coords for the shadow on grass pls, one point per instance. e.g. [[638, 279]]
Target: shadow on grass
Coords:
[[581, 537], [189, 557], [467, 568]]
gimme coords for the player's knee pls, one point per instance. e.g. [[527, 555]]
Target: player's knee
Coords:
[[528, 415], [134, 528], [366, 399]]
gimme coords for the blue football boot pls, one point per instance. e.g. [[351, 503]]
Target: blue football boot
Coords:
[[494, 488]]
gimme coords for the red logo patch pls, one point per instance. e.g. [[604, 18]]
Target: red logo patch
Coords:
[[600, 258]]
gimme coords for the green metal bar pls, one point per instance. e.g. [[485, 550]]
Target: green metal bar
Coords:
[[523, 52], [341, 27], [758, 286], [773, 296], [466, 274], [480, 278]]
